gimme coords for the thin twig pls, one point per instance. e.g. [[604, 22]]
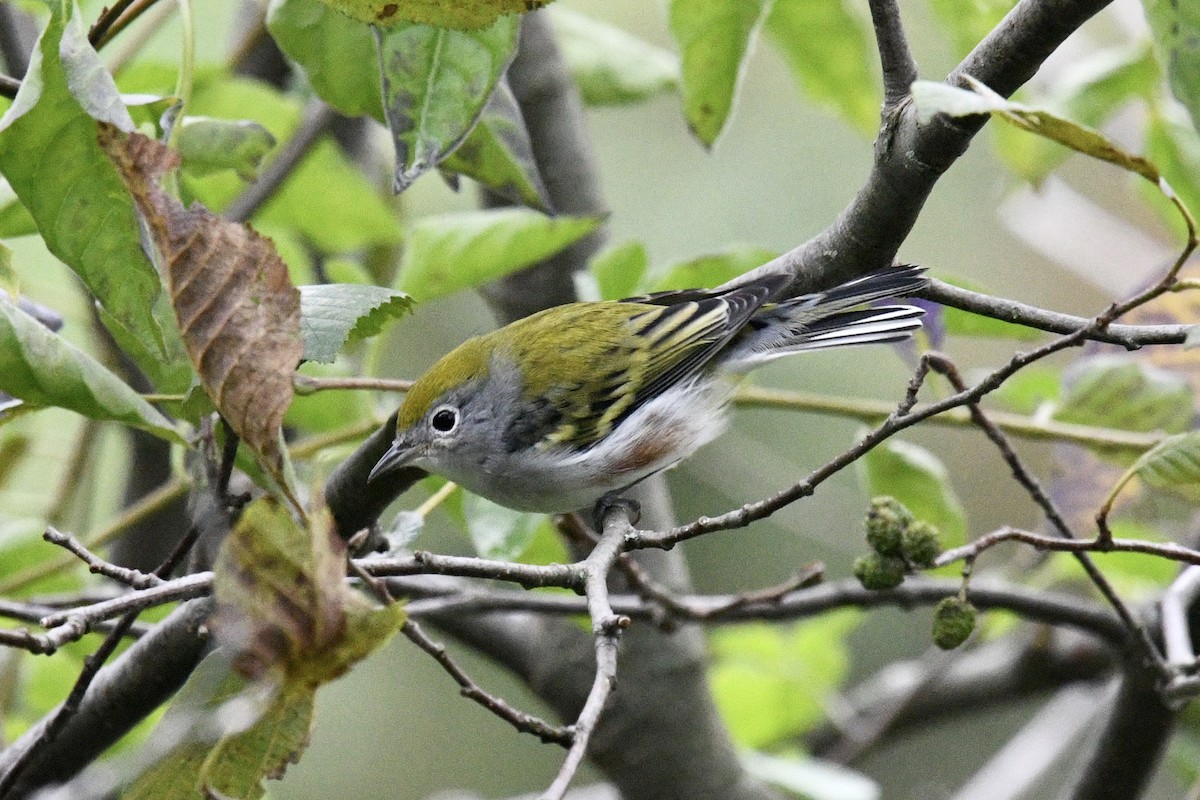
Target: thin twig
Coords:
[[135, 10], [306, 384], [1130, 337], [197, 584], [318, 116], [149, 504], [1168, 550], [1043, 500], [98, 566], [107, 17], [522, 721], [91, 668], [1026, 427]]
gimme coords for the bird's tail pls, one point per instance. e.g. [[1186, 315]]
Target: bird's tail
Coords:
[[834, 318]]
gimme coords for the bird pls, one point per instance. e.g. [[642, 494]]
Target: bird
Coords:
[[573, 405]]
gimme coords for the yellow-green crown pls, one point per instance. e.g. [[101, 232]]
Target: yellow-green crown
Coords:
[[462, 364]]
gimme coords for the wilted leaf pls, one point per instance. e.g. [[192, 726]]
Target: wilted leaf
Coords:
[[462, 14], [282, 603], [1125, 393], [619, 269], [931, 98], [238, 311], [1090, 92], [916, 478], [209, 145], [611, 66], [498, 154], [224, 734], [447, 252], [710, 271], [45, 370], [49, 154], [336, 52], [715, 38], [829, 52], [435, 84], [331, 313], [1176, 27]]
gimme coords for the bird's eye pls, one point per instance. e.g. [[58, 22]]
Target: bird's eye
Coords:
[[444, 420]]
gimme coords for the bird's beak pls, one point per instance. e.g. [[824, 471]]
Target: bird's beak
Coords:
[[400, 454]]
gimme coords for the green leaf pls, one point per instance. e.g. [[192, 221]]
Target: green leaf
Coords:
[[1175, 461], [715, 38], [709, 271], [10, 282], [831, 56], [210, 145], [498, 154], [968, 23], [772, 682], [498, 532], [611, 66], [1120, 392], [619, 269], [447, 252], [435, 84], [1173, 144], [336, 52], [464, 15], [43, 369], [332, 313], [811, 778], [327, 199], [15, 219], [1176, 28], [918, 479], [1030, 389], [51, 158]]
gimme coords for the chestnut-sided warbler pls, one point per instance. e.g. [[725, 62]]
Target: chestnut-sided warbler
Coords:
[[558, 410]]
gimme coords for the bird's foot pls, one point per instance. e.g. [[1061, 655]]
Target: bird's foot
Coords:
[[632, 510]]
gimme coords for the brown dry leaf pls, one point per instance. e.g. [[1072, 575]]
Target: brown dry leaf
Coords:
[[238, 311]]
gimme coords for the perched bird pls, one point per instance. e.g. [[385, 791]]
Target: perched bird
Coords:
[[574, 404]]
